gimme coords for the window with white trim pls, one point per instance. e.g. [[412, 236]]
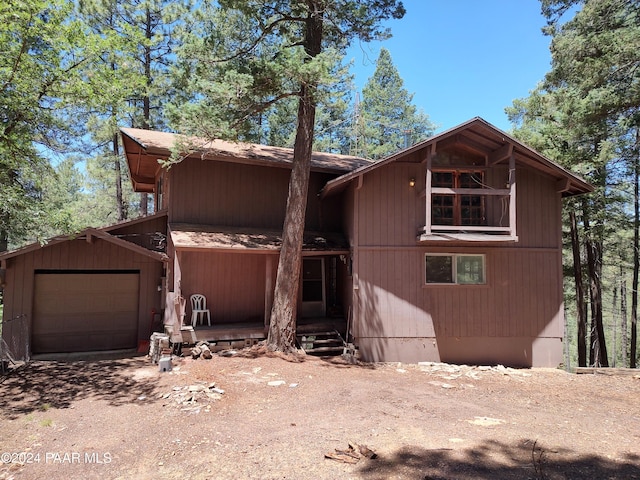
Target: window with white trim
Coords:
[[455, 208], [454, 269]]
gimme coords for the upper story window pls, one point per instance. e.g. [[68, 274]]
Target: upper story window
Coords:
[[458, 209], [469, 197]]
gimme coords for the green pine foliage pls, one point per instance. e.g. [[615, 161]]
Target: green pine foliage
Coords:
[[388, 119], [586, 115], [47, 63]]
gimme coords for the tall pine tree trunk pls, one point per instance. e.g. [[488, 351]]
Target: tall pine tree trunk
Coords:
[[146, 99], [636, 255], [282, 328], [623, 318], [122, 207], [594, 269], [580, 304]]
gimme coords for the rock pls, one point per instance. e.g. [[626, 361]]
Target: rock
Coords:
[[276, 383], [486, 421], [206, 352]]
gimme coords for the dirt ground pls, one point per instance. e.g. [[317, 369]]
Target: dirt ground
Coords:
[[257, 416]]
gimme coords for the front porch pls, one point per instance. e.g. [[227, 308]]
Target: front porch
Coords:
[[246, 334]]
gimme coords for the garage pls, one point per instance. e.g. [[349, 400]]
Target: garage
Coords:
[[76, 311]]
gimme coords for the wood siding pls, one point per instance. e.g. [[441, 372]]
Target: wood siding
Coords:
[[228, 194], [392, 213], [239, 286], [74, 255], [520, 303], [234, 284]]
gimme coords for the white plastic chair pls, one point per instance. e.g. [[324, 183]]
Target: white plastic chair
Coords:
[[198, 307]]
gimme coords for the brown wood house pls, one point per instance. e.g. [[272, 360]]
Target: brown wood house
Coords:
[[449, 250]]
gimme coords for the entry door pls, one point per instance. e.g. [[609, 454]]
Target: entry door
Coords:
[[313, 288]]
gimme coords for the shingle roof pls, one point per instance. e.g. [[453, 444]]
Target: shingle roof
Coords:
[[143, 149], [193, 237]]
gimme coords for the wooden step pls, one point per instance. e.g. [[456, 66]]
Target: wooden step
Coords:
[[320, 335], [324, 350], [325, 341], [319, 343]]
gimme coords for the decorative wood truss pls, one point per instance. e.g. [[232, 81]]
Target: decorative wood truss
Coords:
[[479, 204]]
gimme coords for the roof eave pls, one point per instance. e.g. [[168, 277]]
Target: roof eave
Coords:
[[86, 233], [580, 186]]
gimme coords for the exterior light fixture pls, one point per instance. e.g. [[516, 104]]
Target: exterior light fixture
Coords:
[[412, 182]]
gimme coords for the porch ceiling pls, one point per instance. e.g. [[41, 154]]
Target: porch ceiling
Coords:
[[210, 237]]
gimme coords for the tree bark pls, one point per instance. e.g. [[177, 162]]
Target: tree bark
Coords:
[[4, 241], [580, 304], [146, 99], [122, 208], [623, 319], [282, 327], [594, 267], [636, 256]]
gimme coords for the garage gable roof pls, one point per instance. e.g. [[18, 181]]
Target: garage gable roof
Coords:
[[86, 234]]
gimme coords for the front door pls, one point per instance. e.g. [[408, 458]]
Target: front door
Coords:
[[313, 288]]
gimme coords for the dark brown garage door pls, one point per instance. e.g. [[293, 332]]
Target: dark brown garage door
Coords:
[[76, 312]]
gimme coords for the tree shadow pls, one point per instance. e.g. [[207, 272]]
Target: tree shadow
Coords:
[[337, 361], [496, 460], [57, 384]]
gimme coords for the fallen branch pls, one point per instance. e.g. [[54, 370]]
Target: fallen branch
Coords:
[[351, 455]]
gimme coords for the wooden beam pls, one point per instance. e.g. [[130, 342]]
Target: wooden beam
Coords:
[[429, 150], [471, 191], [478, 147], [139, 162], [268, 290], [89, 238], [162, 257], [500, 154], [563, 185], [427, 189], [468, 228], [512, 194], [633, 372], [460, 139]]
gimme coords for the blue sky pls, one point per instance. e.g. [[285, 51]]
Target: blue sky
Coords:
[[463, 58]]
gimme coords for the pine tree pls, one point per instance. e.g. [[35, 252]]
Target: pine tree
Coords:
[[587, 112], [390, 121], [47, 59], [281, 49]]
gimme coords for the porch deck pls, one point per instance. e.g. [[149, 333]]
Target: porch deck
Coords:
[[251, 332]]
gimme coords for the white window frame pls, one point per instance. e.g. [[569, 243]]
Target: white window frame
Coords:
[[454, 268]]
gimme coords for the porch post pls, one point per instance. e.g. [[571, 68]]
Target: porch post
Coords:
[[268, 289], [427, 189], [512, 194]]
